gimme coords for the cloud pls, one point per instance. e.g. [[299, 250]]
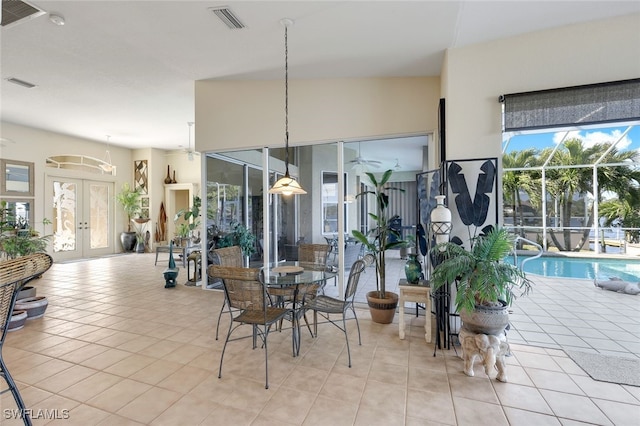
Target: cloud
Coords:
[[589, 139]]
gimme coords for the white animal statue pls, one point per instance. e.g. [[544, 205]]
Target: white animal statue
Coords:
[[489, 348], [616, 284]]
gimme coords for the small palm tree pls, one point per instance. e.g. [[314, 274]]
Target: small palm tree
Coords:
[[380, 241], [481, 275]]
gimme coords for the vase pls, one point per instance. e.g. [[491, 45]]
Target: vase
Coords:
[[413, 269], [167, 180], [440, 221], [174, 177]]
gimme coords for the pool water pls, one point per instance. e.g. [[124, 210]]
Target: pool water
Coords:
[[583, 268]]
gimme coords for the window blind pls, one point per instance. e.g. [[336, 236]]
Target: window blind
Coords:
[[611, 102]]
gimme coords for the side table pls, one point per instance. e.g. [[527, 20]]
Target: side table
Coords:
[[419, 293]]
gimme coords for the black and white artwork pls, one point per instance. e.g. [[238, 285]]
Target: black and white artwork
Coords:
[[472, 197]]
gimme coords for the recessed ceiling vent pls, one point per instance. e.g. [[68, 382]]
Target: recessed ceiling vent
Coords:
[[227, 16], [15, 11], [20, 82]]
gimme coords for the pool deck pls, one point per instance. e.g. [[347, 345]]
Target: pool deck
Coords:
[[573, 314]]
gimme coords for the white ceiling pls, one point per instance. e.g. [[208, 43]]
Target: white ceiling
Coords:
[[127, 68]]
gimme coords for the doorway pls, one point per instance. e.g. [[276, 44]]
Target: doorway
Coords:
[[82, 214]]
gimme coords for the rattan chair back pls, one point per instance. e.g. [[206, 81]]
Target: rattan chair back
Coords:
[[317, 254], [242, 286], [14, 273], [228, 256]]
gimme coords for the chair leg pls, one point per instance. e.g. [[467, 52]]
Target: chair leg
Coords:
[[315, 323], [15, 392], [344, 325], [357, 324], [224, 303], [223, 349], [266, 360]]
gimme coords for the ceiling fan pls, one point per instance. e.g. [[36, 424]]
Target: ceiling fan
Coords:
[[190, 152], [361, 161]]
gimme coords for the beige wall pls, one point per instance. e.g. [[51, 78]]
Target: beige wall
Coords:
[[34, 145], [595, 52], [250, 114]]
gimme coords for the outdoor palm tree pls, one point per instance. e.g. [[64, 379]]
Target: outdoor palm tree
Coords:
[[564, 182], [514, 181]]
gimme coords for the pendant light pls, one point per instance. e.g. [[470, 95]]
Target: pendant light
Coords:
[[286, 185], [106, 166]]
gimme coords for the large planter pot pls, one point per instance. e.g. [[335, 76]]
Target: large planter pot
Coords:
[[382, 310], [17, 320], [128, 241], [26, 291], [486, 319], [35, 306]]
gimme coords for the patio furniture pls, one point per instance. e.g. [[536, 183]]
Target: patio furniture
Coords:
[[225, 256], [419, 293], [249, 304], [292, 284], [13, 273], [328, 305]]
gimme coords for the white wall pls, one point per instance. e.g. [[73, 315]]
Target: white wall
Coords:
[[595, 52]]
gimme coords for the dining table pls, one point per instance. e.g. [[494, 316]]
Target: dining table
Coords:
[[299, 280]]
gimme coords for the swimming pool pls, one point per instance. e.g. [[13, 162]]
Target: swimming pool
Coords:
[[583, 268]]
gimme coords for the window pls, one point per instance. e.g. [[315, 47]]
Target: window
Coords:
[[330, 202]]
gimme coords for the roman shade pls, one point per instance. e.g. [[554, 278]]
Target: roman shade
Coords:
[[613, 102]]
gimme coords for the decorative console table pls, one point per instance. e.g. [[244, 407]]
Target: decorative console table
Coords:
[[418, 293]]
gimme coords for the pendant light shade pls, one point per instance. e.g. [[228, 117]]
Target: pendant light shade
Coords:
[[286, 185]]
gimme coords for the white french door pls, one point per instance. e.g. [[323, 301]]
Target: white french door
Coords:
[[81, 215]]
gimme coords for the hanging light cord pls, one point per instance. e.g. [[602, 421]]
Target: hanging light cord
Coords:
[[286, 101]]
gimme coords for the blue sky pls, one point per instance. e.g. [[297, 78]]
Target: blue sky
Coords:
[[588, 136]]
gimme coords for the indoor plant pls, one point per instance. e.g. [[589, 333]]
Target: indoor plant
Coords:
[[129, 199], [485, 283], [382, 303], [239, 236], [191, 220]]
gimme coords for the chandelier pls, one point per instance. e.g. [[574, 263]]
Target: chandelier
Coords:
[[286, 185]]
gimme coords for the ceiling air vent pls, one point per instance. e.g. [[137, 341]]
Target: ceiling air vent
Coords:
[[16, 11], [228, 17], [21, 82]]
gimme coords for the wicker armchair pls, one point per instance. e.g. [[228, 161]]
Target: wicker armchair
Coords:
[[226, 256], [13, 274], [328, 305], [249, 304]]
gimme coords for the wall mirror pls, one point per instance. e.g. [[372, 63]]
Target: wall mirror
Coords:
[[16, 178]]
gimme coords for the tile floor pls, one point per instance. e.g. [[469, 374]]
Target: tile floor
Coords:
[[117, 348]]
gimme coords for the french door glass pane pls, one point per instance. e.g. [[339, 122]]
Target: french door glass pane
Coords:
[[65, 196], [99, 215]]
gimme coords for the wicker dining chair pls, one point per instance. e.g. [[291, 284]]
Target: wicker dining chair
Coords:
[[226, 256], [247, 298], [314, 256], [13, 275], [329, 305]]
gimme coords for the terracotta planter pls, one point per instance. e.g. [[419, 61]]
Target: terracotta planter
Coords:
[[35, 306], [486, 319], [18, 319], [382, 310]]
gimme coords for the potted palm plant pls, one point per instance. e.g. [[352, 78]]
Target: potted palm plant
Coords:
[[382, 303], [190, 222], [486, 284], [129, 199]]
